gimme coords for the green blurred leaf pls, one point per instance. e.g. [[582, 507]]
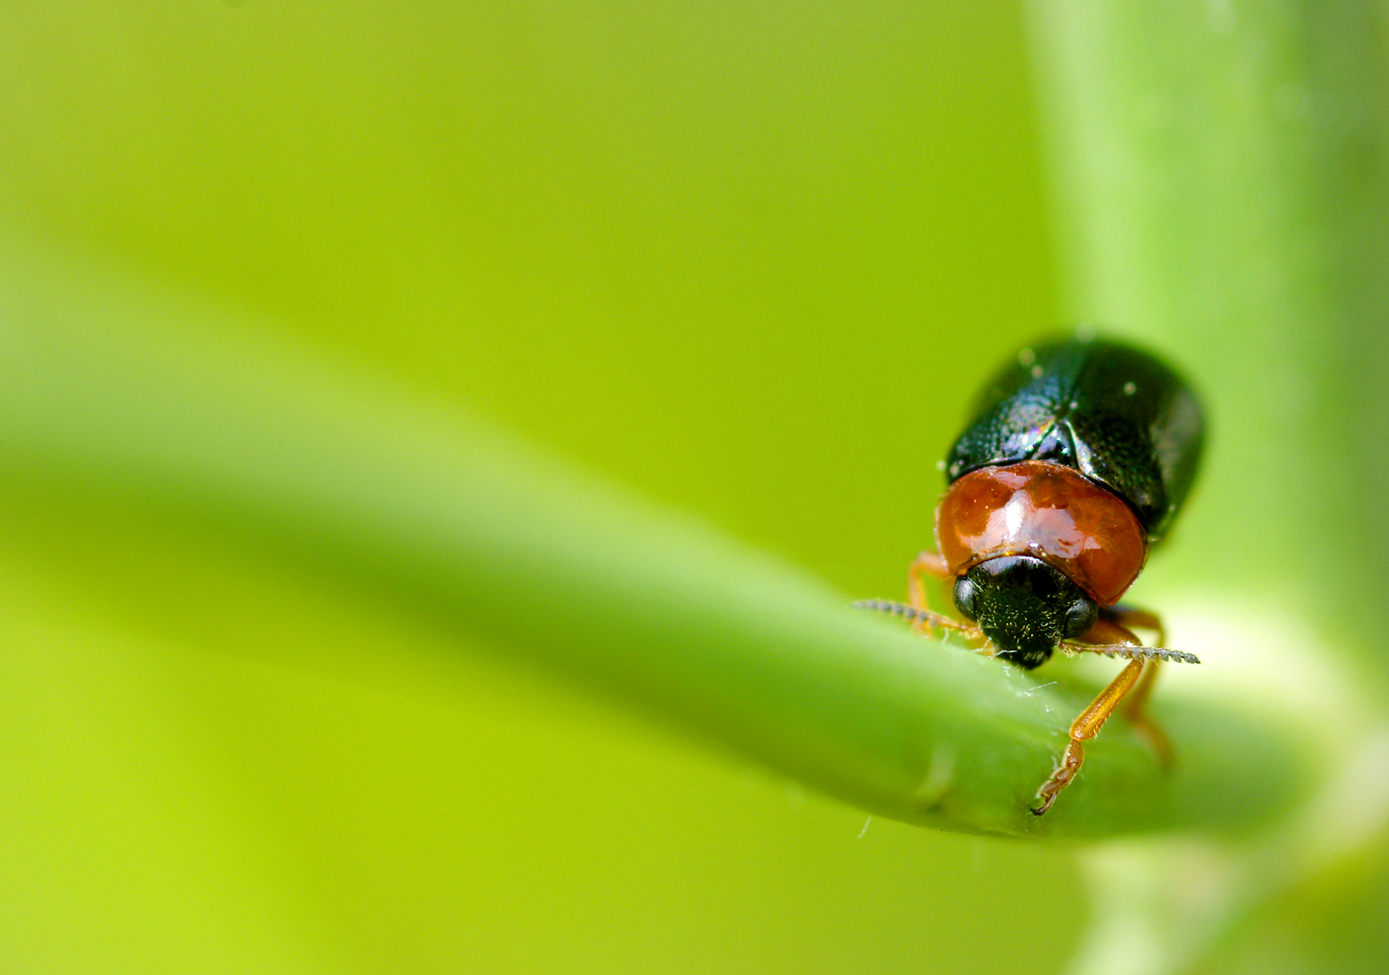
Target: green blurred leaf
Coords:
[[1222, 182]]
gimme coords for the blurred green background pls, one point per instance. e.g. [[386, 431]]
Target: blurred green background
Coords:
[[750, 260]]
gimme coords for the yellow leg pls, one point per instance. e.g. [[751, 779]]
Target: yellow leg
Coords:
[[1084, 728], [928, 563], [925, 620], [1136, 703], [1135, 680], [1136, 619], [1135, 710]]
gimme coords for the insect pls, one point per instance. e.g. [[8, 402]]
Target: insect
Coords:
[[1079, 456]]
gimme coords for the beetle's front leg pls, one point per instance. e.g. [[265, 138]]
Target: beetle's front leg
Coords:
[[1084, 728], [927, 563], [1136, 704]]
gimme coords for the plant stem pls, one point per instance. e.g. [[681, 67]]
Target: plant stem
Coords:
[[124, 405]]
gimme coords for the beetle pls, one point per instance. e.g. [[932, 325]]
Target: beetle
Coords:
[[1080, 455]]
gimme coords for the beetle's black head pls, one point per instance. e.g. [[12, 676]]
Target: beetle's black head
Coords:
[[1024, 606]]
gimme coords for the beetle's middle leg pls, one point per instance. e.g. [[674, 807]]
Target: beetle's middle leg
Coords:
[[1130, 619]]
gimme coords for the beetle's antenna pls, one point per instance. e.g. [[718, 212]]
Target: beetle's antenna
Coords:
[[911, 613], [1131, 651]]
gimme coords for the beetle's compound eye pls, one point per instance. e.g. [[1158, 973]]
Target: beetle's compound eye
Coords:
[[964, 597], [1081, 617]]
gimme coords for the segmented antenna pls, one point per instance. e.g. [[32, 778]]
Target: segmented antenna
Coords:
[[908, 612], [892, 609], [1132, 652]]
